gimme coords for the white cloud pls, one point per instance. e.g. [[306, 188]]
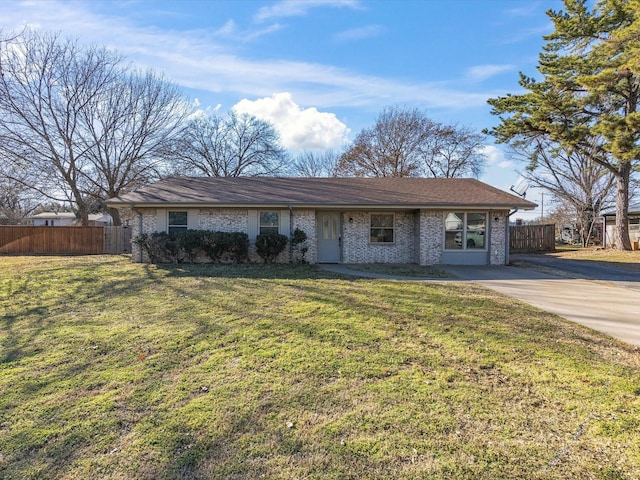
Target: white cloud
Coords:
[[484, 72], [496, 157], [526, 10], [297, 8], [360, 33], [299, 128]]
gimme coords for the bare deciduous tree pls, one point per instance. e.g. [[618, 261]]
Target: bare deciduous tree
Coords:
[[126, 132], [16, 202], [76, 124], [406, 143], [313, 164], [391, 148], [238, 145], [452, 152], [573, 177]]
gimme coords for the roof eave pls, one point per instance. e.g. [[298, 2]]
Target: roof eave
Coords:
[[323, 206]]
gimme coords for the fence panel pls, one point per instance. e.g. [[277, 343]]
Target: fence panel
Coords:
[[532, 238], [64, 240], [117, 240]]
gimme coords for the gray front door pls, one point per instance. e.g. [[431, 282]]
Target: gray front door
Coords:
[[329, 241]]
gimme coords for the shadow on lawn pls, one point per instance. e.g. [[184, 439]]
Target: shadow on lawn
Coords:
[[254, 271]]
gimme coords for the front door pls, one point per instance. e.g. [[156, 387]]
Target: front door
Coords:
[[329, 237]]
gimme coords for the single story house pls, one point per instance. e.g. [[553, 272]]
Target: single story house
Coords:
[[425, 221], [610, 226], [68, 219]]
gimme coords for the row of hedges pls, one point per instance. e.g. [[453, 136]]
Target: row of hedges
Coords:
[[187, 246]]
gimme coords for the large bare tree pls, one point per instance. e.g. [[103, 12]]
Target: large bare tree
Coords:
[[573, 177], [404, 142], [126, 133], [77, 124], [17, 202], [315, 164], [453, 151], [232, 146], [391, 148]]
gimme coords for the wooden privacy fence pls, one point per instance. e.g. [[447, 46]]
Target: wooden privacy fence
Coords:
[[117, 240], [532, 238], [20, 240]]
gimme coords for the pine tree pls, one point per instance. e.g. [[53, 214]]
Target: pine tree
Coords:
[[588, 94]]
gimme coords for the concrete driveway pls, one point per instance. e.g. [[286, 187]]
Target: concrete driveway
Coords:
[[610, 306], [582, 268]]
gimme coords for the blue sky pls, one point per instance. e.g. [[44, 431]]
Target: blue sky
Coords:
[[320, 70]]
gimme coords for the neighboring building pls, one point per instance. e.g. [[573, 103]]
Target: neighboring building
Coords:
[[350, 220], [634, 226], [68, 219]]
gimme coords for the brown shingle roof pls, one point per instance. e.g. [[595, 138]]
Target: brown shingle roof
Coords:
[[316, 192]]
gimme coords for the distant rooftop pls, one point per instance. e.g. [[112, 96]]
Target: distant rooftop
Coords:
[[634, 209]]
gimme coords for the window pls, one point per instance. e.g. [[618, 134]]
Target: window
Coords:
[[465, 231], [330, 226], [177, 222], [269, 223], [382, 228]]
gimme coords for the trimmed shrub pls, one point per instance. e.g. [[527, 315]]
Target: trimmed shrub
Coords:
[[159, 247], [226, 246], [299, 244], [268, 247], [189, 245]]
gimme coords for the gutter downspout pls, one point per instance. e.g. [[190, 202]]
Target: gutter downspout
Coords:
[[290, 233], [506, 236], [488, 236]]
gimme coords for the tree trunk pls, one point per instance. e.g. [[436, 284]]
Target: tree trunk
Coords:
[[622, 240], [83, 214], [115, 216]]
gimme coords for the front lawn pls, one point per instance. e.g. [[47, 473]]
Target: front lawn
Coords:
[[116, 370], [627, 260]]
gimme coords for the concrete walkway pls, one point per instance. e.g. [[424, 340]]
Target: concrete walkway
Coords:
[[602, 306]]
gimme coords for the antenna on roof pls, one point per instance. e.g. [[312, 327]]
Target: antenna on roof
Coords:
[[520, 188]]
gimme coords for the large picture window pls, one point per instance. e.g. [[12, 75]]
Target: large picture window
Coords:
[[177, 222], [382, 228], [269, 223], [465, 231]]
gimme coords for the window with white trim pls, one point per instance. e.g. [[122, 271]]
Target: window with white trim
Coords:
[[465, 231], [177, 222], [269, 223], [382, 228]]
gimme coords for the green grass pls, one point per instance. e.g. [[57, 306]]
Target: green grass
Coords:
[[627, 260], [403, 270], [116, 370]]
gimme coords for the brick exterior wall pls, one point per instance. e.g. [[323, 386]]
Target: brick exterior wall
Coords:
[[223, 219], [431, 234], [498, 254], [305, 220], [356, 247], [419, 236], [148, 226]]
